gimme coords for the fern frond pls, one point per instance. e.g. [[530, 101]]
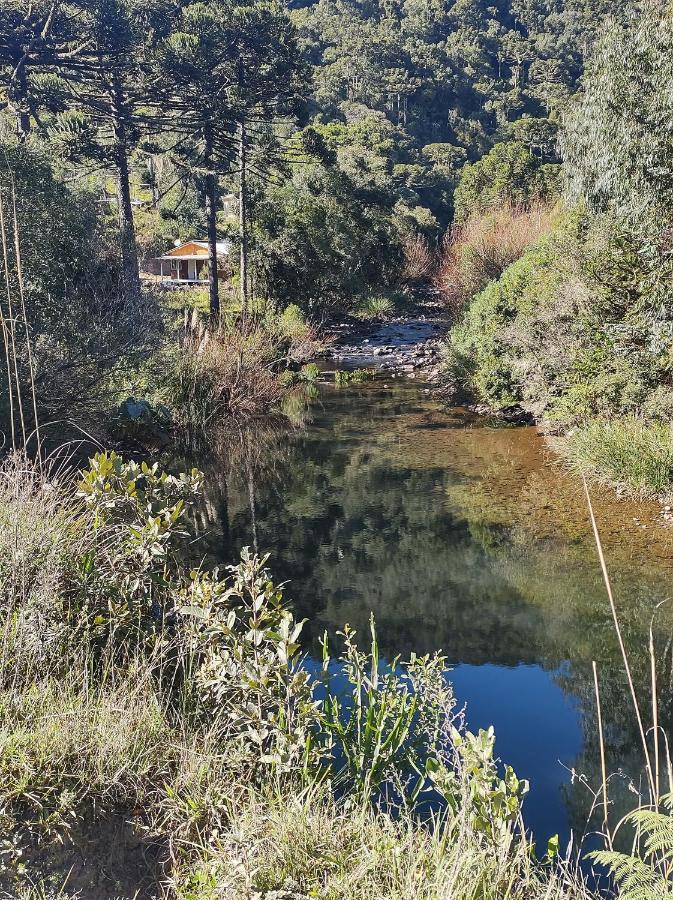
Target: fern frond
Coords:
[[637, 880], [657, 831]]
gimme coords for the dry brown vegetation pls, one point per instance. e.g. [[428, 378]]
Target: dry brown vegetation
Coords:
[[420, 260], [222, 372], [480, 250]]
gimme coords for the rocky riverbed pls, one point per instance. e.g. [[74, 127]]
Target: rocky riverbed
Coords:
[[406, 345]]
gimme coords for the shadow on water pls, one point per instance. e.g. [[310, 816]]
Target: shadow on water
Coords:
[[462, 536]]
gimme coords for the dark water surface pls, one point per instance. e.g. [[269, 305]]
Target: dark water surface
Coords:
[[467, 537]]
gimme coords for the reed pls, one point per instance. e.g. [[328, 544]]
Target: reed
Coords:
[[646, 873]]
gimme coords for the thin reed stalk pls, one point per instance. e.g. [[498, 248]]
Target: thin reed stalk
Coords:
[[12, 331], [604, 776], [22, 297], [622, 646]]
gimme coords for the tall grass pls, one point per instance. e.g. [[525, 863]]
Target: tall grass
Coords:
[[232, 372], [309, 844], [221, 373], [631, 452]]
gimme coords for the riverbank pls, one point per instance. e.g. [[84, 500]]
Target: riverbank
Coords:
[[633, 458]]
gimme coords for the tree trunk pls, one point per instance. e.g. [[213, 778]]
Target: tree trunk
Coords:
[[242, 220], [153, 179], [127, 234], [211, 219], [19, 99]]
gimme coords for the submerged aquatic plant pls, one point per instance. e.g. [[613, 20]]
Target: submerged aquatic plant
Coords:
[[356, 376]]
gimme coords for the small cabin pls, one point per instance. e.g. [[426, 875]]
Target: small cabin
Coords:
[[188, 262]]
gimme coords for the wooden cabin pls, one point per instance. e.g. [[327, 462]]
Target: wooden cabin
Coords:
[[188, 262]]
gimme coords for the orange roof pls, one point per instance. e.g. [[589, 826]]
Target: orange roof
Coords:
[[191, 248], [196, 249]]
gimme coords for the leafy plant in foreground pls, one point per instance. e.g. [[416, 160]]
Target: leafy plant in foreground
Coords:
[[490, 800], [139, 523], [249, 668], [385, 722]]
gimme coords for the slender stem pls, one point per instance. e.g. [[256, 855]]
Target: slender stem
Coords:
[[211, 218], [12, 322], [604, 776], [22, 296], [655, 715], [622, 647], [7, 326], [242, 220]]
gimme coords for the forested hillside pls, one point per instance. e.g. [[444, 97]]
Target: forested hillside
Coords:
[[425, 86], [342, 128], [359, 121]]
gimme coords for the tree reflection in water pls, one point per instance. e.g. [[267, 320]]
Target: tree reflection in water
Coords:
[[458, 534]]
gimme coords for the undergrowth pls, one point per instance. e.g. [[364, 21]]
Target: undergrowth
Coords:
[[138, 685]]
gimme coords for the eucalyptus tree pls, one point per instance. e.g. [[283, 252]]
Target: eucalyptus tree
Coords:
[[616, 139]]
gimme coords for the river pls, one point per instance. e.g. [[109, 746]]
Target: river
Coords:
[[467, 536]]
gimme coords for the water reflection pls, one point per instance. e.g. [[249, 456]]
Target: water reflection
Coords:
[[459, 536]]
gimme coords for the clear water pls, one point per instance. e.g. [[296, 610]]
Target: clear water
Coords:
[[467, 537]]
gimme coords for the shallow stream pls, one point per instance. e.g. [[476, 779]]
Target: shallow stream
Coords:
[[469, 537]]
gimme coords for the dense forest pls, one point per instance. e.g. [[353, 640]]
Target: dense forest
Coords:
[[503, 168]]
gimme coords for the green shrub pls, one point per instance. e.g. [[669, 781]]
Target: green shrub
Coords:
[[291, 321], [392, 720], [479, 250], [288, 378], [249, 668], [310, 372], [509, 173], [575, 329], [352, 376], [483, 346]]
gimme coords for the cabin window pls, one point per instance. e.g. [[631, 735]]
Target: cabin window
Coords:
[[174, 265]]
